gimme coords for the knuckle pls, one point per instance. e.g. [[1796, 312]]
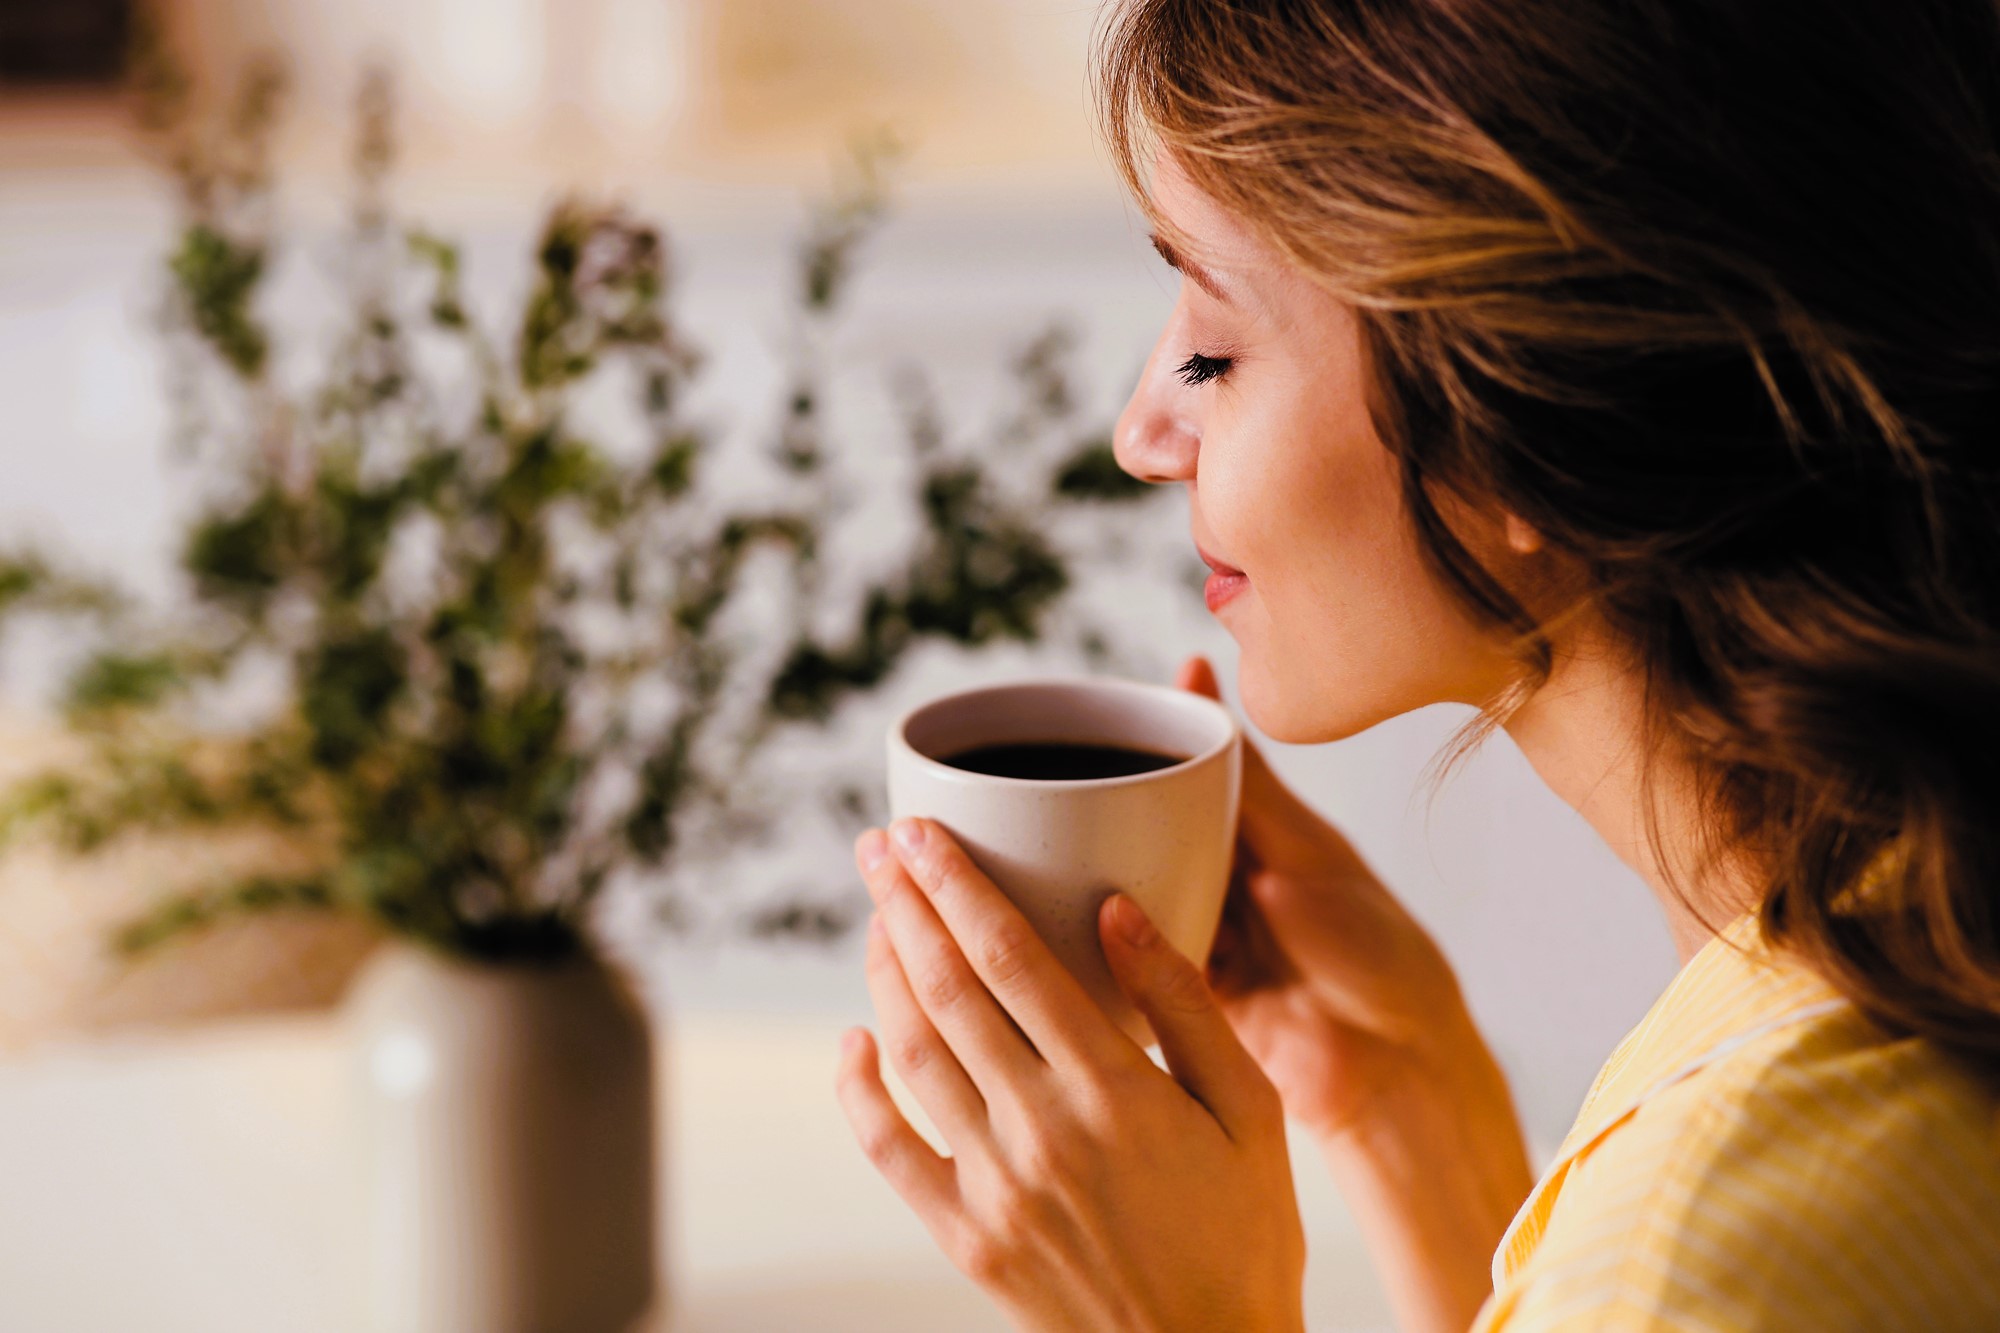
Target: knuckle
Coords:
[[1043, 1160], [1007, 952], [880, 1145], [1014, 1205], [1045, 1155], [1182, 988], [1017, 1214], [913, 1053], [949, 872], [1100, 1097], [942, 985], [942, 859], [982, 1257], [1039, 1214]]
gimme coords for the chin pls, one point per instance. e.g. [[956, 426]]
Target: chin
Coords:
[[1293, 711], [1310, 707]]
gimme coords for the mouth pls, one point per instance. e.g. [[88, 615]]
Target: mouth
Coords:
[[1224, 582]]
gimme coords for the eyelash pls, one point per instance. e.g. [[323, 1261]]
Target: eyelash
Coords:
[[1198, 369]]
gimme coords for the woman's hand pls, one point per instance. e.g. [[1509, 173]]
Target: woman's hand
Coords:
[[1086, 1188], [1331, 983], [1354, 1013]]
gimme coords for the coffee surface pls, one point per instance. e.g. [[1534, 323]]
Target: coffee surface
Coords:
[[1059, 761]]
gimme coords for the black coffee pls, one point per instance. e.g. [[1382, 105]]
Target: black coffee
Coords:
[[1059, 761]]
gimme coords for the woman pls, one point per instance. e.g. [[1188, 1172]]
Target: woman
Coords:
[[1629, 369]]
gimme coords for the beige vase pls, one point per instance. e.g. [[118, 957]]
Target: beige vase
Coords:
[[506, 1118]]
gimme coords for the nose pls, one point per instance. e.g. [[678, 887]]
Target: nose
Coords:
[[1158, 437]]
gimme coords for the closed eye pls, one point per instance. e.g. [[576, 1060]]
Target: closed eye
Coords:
[[1199, 369]]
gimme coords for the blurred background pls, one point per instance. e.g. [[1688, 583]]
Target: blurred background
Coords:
[[177, 1128]]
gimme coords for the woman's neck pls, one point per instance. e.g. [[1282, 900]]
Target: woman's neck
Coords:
[[1583, 731]]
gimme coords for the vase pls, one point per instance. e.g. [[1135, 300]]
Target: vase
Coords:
[[507, 1135]]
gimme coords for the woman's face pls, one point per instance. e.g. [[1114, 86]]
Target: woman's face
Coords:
[[1254, 397]]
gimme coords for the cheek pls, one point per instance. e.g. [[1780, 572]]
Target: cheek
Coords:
[[1345, 625]]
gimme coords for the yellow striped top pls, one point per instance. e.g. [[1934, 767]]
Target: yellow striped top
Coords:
[[1757, 1155]]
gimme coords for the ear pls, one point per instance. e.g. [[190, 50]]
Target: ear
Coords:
[[1522, 539]]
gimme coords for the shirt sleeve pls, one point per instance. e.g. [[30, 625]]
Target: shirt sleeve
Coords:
[[1808, 1185]]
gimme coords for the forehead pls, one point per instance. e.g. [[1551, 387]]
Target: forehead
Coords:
[[1197, 225]]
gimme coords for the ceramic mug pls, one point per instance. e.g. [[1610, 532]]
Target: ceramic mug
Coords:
[[1058, 848]]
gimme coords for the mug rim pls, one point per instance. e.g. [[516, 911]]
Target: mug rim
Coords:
[[899, 739]]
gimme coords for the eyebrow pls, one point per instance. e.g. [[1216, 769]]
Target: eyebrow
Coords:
[[1195, 273]]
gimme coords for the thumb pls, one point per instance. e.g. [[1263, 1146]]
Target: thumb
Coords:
[[1198, 676], [1201, 1048]]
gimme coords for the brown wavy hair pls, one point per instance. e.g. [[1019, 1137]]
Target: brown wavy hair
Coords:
[[1708, 293]]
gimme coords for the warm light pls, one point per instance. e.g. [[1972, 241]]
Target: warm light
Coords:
[[401, 1065], [642, 54], [488, 56]]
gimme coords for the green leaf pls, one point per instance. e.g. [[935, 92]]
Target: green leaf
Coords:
[[1092, 473], [547, 467], [818, 922], [355, 525], [649, 827], [115, 679], [347, 687], [243, 554], [247, 897], [42, 799], [672, 470], [29, 581], [20, 576], [218, 276]]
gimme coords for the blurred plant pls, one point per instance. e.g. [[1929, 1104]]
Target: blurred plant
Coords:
[[503, 644], [28, 582]]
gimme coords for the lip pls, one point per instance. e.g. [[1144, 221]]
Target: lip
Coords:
[[1223, 584], [1218, 566], [1221, 588]]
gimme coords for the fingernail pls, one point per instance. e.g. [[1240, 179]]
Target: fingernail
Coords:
[[908, 833], [876, 929], [870, 848], [1132, 921], [850, 1042]]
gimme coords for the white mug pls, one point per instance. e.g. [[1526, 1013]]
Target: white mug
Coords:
[[1059, 847]]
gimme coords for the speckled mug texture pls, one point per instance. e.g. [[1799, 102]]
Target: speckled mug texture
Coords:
[[1058, 848]]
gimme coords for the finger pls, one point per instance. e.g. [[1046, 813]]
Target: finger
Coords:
[[926, 1180], [1012, 962], [1197, 675], [1201, 1048], [994, 1053], [1359, 945], [1248, 953], [927, 1066], [1283, 830], [1241, 959]]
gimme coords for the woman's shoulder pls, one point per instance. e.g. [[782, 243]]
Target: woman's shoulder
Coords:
[[1831, 1101], [1824, 1175], [1829, 1093], [1758, 1154]]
